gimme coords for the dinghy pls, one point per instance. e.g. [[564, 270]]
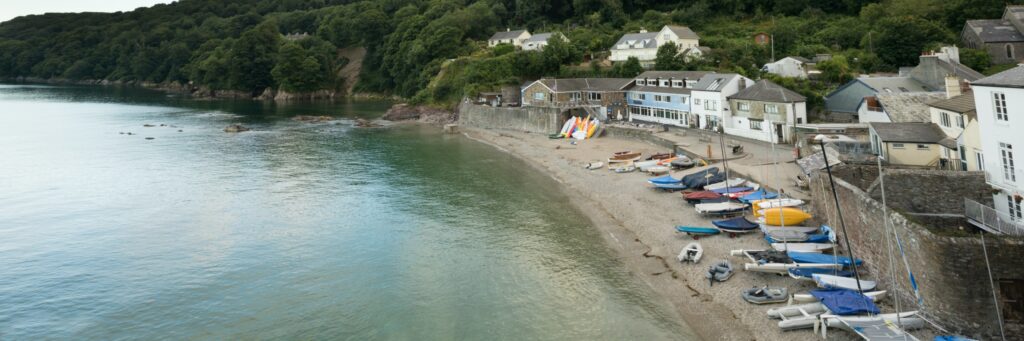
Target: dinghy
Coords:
[[670, 187], [876, 296], [725, 208], [787, 216], [658, 170], [691, 253], [736, 182], [760, 194], [695, 197], [738, 223], [802, 247], [624, 169], [660, 156], [808, 273], [786, 236], [803, 229], [776, 262], [733, 189], [765, 295], [776, 203], [682, 162], [643, 165], [620, 158], [668, 179], [696, 232], [736, 195], [810, 257], [594, 165], [877, 327], [830, 281], [719, 272], [704, 177]]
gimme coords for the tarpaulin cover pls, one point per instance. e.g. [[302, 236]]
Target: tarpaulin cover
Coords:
[[667, 179], [702, 180], [702, 195], [845, 302], [759, 195], [738, 223], [733, 189], [818, 258]]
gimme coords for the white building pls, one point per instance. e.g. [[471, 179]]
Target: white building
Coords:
[[958, 119], [766, 112], [999, 101], [710, 98], [514, 38], [792, 67], [540, 40], [644, 45]]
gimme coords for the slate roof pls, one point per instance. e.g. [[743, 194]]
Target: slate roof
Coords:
[[1012, 78], [674, 74], [917, 132], [995, 31], [640, 41], [767, 91], [960, 104], [705, 83], [683, 32], [893, 84], [661, 89], [909, 107], [585, 84], [506, 35], [539, 38]]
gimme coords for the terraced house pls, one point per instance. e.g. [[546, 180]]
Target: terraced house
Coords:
[[663, 97], [602, 97], [710, 99], [767, 112]]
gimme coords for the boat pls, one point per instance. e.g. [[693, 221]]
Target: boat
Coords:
[[658, 170], [720, 272], [714, 201], [660, 156], [775, 203], [691, 253], [594, 165], [733, 189], [877, 327], [738, 223], [696, 197], [802, 247], [723, 208], [736, 182], [760, 194], [808, 273], [667, 179], [682, 162], [786, 216], [770, 228], [670, 187], [696, 231], [817, 238], [736, 195], [620, 158], [643, 165], [765, 295], [876, 296], [810, 257], [786, 236], [831, 281], [701, 178], [624, 168], [776, 262]]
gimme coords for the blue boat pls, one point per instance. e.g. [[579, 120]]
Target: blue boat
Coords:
[[735, 224], [759, 195], [808, 273], [811, 238], [667, 179], [704, 180], [670, 187], [697, 230], [697, 179], [817, 258], [734, 189], [845, 302]]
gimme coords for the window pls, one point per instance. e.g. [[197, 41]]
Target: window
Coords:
[[641, 97], [667, 99], [743, 106], [696, 101], [999, 100], [677, 84], [575, 96], [641, 82], [755, 124], [539, 96], [710, 105], [664, 82], [1014, 206], [981, 160], [771, 108], [922, 147], [683, 99], [657, 98], [944, 117], [960, 121], [594, 96], [897, 146], [1006, 155]]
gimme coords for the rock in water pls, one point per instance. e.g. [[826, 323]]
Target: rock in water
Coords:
[[150, 138], [235, 128], [147, 125], [364, 123], [313, 119]]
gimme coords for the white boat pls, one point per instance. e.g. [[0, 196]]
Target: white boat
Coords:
[[771, 228], [807, 297], [728, 183], [691, 253], [878, 327], [720, 208], [831, 281], [784, 235], [644, 165], [783, 268], [657, 170], [802, 247], [594, 165], [776, 203]]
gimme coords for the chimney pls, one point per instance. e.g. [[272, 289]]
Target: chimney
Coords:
[[950, 54], [952, 86], [643, 30]]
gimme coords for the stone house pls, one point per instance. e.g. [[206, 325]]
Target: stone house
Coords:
[[766, 112], [538, 41], [1001, 38], [514, 38], [792, 67], [602, 97], [644, 45], [915, 144]]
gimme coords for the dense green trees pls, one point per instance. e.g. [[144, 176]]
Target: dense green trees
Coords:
[[668, 57]]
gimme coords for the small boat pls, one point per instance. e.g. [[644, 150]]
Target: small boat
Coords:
[[787, 216], [817, 238], [630, 157], [701, 195], [808, 273], [736, 182], [830, 281], [624, 169], [765, 295], [670, 187], [720, 272], [776, 262], [786, 236], [734, 189], [724, 208], [736, 195], [667, 179], [770, 228], [876, 296], [704, 177], [622, 153], [594, 165], [714, 201], [691, 253], [682, 162], [660, 156], [738, 223], [876, 327], [776, 203], [760, 194], [658, 170], [810, 257], [696, 231], [802, 247], [798, 310]]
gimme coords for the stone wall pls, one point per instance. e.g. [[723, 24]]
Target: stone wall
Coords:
[[638, 134], [527, 119], [950, 271]]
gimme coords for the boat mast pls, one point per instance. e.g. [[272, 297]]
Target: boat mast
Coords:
[[725, 163], [888, 244], [839, 212]]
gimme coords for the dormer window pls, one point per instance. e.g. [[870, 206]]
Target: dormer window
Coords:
[[664, 82], [641, 82], [690, 83], [677, 84]]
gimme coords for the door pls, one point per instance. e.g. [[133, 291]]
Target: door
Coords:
[[779, 134]]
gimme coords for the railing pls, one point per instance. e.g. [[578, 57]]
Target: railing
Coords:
[[991, 220], [951, 165]]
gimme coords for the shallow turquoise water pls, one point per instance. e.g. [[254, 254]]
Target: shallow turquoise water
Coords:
[[293, 231]]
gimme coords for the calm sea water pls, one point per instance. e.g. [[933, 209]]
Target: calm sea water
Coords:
[[293, 231]]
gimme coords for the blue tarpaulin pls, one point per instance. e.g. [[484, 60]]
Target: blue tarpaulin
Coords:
[[807, 272], [845, 302], [759, 195], [738, 223], [818, 258], [701, 181], [668, 179]]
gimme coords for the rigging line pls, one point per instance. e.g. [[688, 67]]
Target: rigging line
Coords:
[[888, 244], [839, 213], [992, 283]]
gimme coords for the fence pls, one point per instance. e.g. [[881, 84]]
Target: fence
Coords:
[[991, 220]]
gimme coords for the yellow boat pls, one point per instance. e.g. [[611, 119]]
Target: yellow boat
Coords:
[[788, 216]]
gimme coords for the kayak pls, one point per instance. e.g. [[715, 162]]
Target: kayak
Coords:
[[784, 216]]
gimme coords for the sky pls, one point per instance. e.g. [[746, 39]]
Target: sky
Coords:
[[15, 8]]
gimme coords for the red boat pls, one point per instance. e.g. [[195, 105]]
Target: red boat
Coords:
[[701, 195], [737, 195]]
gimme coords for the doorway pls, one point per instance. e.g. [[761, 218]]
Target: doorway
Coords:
[[779, 134]]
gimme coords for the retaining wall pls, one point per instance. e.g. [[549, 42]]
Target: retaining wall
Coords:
[[526, 119]]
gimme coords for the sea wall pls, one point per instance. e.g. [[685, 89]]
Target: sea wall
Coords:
[[947, 261], [640, 134], [526, 119]]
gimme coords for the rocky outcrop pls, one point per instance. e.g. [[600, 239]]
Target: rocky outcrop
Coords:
[[364, 123], [282, 95], [236, 128], [313, 119], [424, 114]]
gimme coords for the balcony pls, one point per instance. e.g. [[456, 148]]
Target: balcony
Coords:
[[990, 220]]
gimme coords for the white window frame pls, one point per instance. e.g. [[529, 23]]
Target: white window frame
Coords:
[[538, 96], [960, 121], [1006, 160], [657, 98], [757, 124], [944, 118], [742, 106], [641, 82], [677, 84], [999, 106], [710, 105], [981, 160], [594, 96], [771, 109], [642, 97], [1014, 208]]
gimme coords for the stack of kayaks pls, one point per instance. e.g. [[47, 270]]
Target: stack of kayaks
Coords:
[[578, 128]]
